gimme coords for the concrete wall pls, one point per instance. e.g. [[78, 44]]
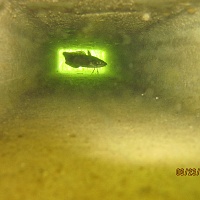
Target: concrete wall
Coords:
[[166, 61], [20, 58], [160, 60]]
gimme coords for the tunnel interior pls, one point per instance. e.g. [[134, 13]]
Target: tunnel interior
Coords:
[[125, 128], [146, 45]]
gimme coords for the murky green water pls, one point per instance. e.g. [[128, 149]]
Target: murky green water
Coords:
[[97, 142], [116, 136]]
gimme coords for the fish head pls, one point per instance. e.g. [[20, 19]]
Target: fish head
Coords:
[[96, 63]]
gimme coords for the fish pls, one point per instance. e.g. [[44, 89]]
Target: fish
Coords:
[[78, 59]]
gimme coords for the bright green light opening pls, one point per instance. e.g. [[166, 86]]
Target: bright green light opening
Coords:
[[66, 69]]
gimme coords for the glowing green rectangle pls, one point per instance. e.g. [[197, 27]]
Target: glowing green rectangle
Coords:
[[66, 69]]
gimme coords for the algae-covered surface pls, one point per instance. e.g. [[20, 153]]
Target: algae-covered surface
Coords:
[[98, 142]]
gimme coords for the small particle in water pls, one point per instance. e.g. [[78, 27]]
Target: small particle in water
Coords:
[[20, 135], [126, 39], [22, 166], [146, 17], [72, 135], [178, 107], [191, 10], [130, 66], [157, 98]]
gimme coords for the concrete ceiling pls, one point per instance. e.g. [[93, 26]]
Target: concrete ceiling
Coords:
[[100, 18]]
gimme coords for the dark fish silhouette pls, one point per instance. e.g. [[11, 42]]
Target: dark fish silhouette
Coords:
[[81, 59]]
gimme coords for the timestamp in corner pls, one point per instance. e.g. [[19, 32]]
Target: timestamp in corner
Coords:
[[187, 171]]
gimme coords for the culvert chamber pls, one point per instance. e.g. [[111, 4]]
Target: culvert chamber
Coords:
[[99, 99]]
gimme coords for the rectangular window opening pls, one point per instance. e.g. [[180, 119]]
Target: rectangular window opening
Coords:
[[63, 68]]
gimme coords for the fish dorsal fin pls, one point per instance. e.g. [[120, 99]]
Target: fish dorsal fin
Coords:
[[89, 54]]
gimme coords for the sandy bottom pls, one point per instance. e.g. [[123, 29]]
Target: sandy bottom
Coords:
[[95, 145]]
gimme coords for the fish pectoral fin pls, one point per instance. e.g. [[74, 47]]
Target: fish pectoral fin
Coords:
[[89, 54]]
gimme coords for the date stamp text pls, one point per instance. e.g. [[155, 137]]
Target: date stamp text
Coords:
[[187, 171]]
